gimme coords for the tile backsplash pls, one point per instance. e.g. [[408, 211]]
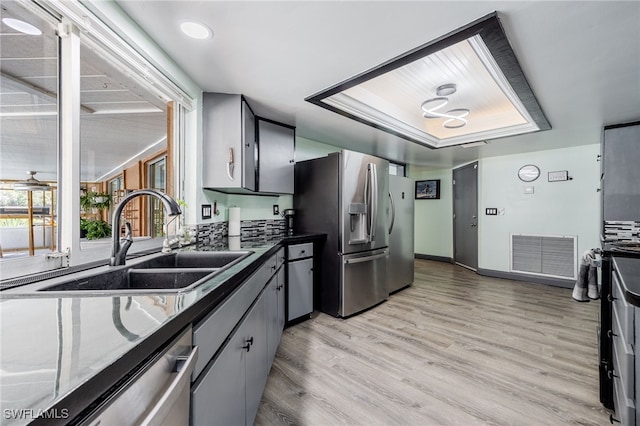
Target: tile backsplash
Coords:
[[249, 230]]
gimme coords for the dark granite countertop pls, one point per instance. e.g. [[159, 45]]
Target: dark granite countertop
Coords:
[[61, 352], [628, 269]]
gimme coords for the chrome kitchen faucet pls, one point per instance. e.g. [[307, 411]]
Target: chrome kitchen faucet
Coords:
[[120, 246]]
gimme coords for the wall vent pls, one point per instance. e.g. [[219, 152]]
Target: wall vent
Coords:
[[551, 256]]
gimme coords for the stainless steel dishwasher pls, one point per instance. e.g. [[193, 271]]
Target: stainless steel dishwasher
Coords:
[[158, 394]]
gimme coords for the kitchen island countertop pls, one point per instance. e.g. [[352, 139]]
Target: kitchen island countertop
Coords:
[[59, 353]]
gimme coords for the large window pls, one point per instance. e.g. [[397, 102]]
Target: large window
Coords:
[[82, 159]]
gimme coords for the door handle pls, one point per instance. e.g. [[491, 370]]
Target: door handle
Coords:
[[393, 213], [230, 164], [366, 258]]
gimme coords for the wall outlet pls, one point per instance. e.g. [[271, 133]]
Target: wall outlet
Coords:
[[276, 209]]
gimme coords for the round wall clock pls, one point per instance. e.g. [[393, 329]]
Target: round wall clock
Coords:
[[528, 173]]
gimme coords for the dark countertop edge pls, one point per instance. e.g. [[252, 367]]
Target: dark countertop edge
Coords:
[[631, 293], [88, 392]]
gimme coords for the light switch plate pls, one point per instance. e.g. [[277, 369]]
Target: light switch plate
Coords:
[[558, 176]]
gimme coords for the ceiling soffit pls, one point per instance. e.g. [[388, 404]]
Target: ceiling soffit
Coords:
[[488, 96]]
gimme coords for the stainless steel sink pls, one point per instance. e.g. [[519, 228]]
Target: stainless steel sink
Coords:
[[162, 273]]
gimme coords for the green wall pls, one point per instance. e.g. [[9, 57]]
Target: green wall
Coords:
[[434, 218], [555, 208]]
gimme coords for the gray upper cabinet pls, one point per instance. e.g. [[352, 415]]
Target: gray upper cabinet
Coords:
[[229, 143], [276, 156], [620, 172], [243, 153]]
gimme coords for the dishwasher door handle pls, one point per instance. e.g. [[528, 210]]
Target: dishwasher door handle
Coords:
[[185, 366]]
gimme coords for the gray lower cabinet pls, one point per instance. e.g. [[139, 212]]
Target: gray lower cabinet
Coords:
[[300, 284], [229, 388], [624, 362]]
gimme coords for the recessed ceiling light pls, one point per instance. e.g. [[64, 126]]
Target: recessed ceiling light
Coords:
[[23, 27], [196, 30]]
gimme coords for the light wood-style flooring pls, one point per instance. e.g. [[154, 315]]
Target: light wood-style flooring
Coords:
[[455, 348]]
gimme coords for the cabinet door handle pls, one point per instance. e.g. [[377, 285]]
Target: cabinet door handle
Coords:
[[230, 164]]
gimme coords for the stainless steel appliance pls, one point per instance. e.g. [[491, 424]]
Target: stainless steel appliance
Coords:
[[345, 195], [158, 394], [401, 236]]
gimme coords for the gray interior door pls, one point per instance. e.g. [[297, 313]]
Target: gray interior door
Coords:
[[465, 216]]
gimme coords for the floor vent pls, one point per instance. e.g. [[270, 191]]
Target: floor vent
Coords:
[[552, 256]]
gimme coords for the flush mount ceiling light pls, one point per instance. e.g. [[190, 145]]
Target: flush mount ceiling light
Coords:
[[30, 184], [23, 27], [491, 97], [196, 30]]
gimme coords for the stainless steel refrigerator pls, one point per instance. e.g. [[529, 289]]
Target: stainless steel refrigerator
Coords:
[[401, 233], [346, 196]]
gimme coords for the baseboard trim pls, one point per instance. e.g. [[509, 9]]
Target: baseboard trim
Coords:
[[556, 282], [435, 258]]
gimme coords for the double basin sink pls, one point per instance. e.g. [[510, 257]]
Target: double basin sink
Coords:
[[167, 272]]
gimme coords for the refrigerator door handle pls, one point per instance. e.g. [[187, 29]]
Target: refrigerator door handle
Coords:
[[393, 212], [374, 202], [366, 258]]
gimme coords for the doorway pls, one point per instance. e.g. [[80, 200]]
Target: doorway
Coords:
[[465, 216]]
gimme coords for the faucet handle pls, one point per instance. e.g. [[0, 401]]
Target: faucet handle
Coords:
[[127, 233]]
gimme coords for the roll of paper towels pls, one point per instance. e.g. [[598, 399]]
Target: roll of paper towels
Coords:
[[234, 221], [234, 243]]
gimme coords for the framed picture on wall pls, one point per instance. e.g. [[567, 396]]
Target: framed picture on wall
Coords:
[[428, 189]]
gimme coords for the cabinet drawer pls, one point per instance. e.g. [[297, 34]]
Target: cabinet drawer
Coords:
[[274, 263], [210, 333], [300, 251], [622, 309], [625, 408], [623, 363]]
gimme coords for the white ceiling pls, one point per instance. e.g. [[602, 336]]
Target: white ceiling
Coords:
[[582, 60]]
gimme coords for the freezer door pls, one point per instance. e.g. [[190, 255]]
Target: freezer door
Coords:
[[365, 202], [401, 238], [364, 281]]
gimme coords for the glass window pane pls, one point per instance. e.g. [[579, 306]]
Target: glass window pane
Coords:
[[122, 125], [28, 133]]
